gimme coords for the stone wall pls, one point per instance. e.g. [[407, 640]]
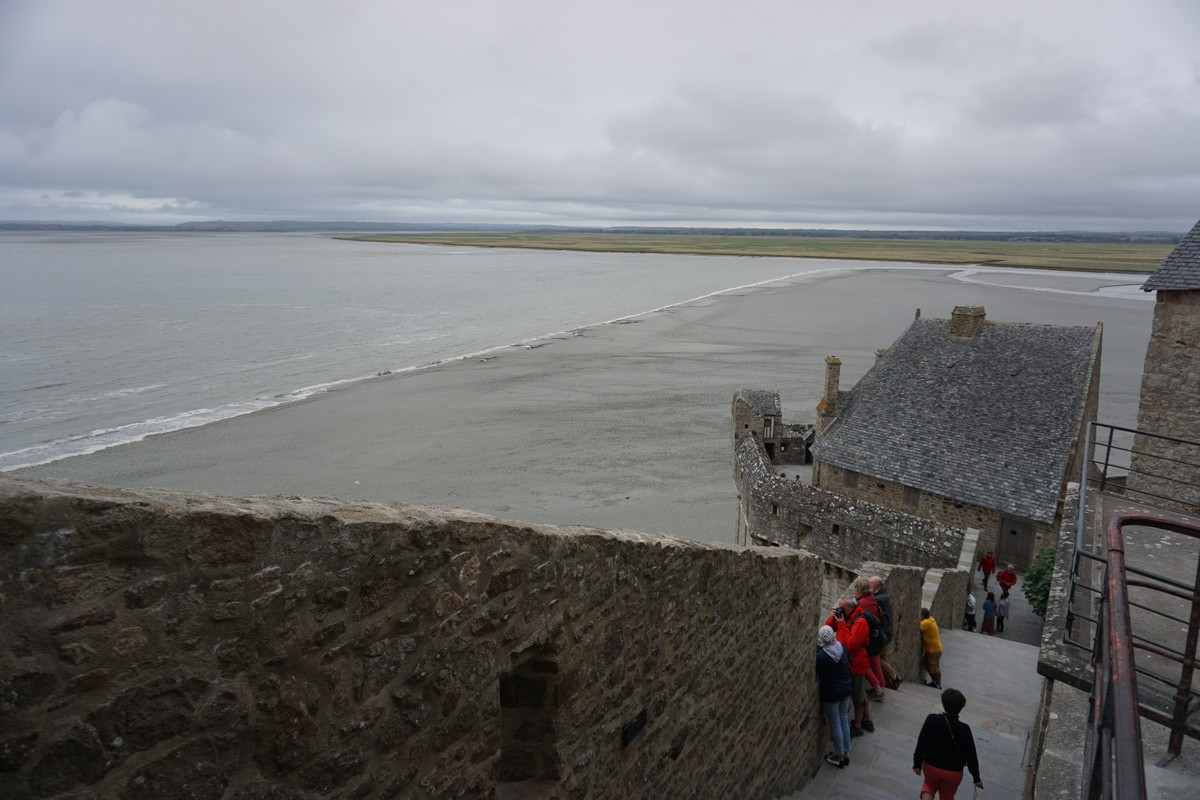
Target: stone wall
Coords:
[[1057, 660], [890, 494], [165, 644], [945, 595], [1170, 404], [843, 530]]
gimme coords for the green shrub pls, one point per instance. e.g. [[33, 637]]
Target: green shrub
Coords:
[[1036, 585]]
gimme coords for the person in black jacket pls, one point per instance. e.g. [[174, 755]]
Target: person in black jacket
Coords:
[[892, 678], [943, 748], [833, 687]]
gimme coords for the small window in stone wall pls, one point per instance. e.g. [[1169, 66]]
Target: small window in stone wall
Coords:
[[850, 479], [528, 710], [912, 496], [775, 509], [837, 529]]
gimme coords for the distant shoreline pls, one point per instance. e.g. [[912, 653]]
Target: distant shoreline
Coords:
[[1082, 256]]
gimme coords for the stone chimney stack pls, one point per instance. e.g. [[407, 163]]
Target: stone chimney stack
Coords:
[[965, 321], [827, 409]]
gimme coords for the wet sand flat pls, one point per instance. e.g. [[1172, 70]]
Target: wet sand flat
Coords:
[[618, 426]]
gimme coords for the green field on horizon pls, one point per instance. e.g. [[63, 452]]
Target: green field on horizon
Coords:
[[1093, 256]]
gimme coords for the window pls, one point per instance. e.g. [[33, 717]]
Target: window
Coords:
[[850, 479], [912, 496], [769, 428]]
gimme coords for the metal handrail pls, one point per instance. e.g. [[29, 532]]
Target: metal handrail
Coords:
[[1113, 750], [1114, 742]]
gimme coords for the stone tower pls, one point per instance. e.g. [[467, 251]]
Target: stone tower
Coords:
[[1170, 399]]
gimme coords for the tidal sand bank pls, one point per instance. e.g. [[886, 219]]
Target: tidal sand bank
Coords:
[[615, 426]]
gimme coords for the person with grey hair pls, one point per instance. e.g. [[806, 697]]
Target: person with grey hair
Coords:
[[853, 631], [833, 687]]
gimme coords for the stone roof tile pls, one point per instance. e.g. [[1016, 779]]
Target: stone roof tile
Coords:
[[764, 401]]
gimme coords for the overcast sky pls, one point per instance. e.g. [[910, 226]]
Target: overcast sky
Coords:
[[1021, 114]]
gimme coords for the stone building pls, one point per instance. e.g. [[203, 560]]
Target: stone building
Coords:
[[966, 422], [759, 411], [1170, 398]]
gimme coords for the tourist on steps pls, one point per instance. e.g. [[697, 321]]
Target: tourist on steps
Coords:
[[883, 599], [866, 601], [852, 630], [944, 746], [931, 649], [833, 687]]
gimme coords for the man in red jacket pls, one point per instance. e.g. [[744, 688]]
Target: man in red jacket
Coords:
[[1007, 578], [987, 565], [851, 629]]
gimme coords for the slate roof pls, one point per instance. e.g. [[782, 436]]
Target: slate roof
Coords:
[[1181, 269], [988, 421], [764, 401]]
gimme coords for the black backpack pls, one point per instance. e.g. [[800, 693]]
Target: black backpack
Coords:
[[885, 622], [877, 640]]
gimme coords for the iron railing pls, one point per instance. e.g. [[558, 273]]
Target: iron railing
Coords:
[[1143, 466], [1113, 754], [1105, 619]]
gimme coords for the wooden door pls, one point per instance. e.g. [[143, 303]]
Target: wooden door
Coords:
[[1014, 543]]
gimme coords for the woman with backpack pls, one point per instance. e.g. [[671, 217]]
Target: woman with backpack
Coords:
[[851, 628]]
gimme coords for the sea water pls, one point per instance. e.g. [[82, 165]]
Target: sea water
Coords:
[[110, 337]]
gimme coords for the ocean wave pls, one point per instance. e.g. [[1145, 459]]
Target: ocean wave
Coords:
[[104, 438]]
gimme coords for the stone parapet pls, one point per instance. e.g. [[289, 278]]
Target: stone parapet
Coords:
[[168, 644], [843, 530]]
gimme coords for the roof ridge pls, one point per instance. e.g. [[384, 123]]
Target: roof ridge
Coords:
[[1180, 270]]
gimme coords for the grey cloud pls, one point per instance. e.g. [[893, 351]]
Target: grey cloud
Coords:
[[1007, 115]]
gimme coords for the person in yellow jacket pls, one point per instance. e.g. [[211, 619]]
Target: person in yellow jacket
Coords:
[[931, 649]]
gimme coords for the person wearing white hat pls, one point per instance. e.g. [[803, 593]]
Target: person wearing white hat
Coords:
[[833, 681]]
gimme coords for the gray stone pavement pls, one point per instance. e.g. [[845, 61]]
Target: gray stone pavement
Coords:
[[998, 674]]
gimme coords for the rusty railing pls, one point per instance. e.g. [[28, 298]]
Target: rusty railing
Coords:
[[1113, 765]]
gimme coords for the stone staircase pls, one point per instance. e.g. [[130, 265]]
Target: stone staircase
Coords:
[[999, 677]]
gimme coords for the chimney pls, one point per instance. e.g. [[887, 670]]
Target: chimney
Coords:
[[827, 409], [965, 321]]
